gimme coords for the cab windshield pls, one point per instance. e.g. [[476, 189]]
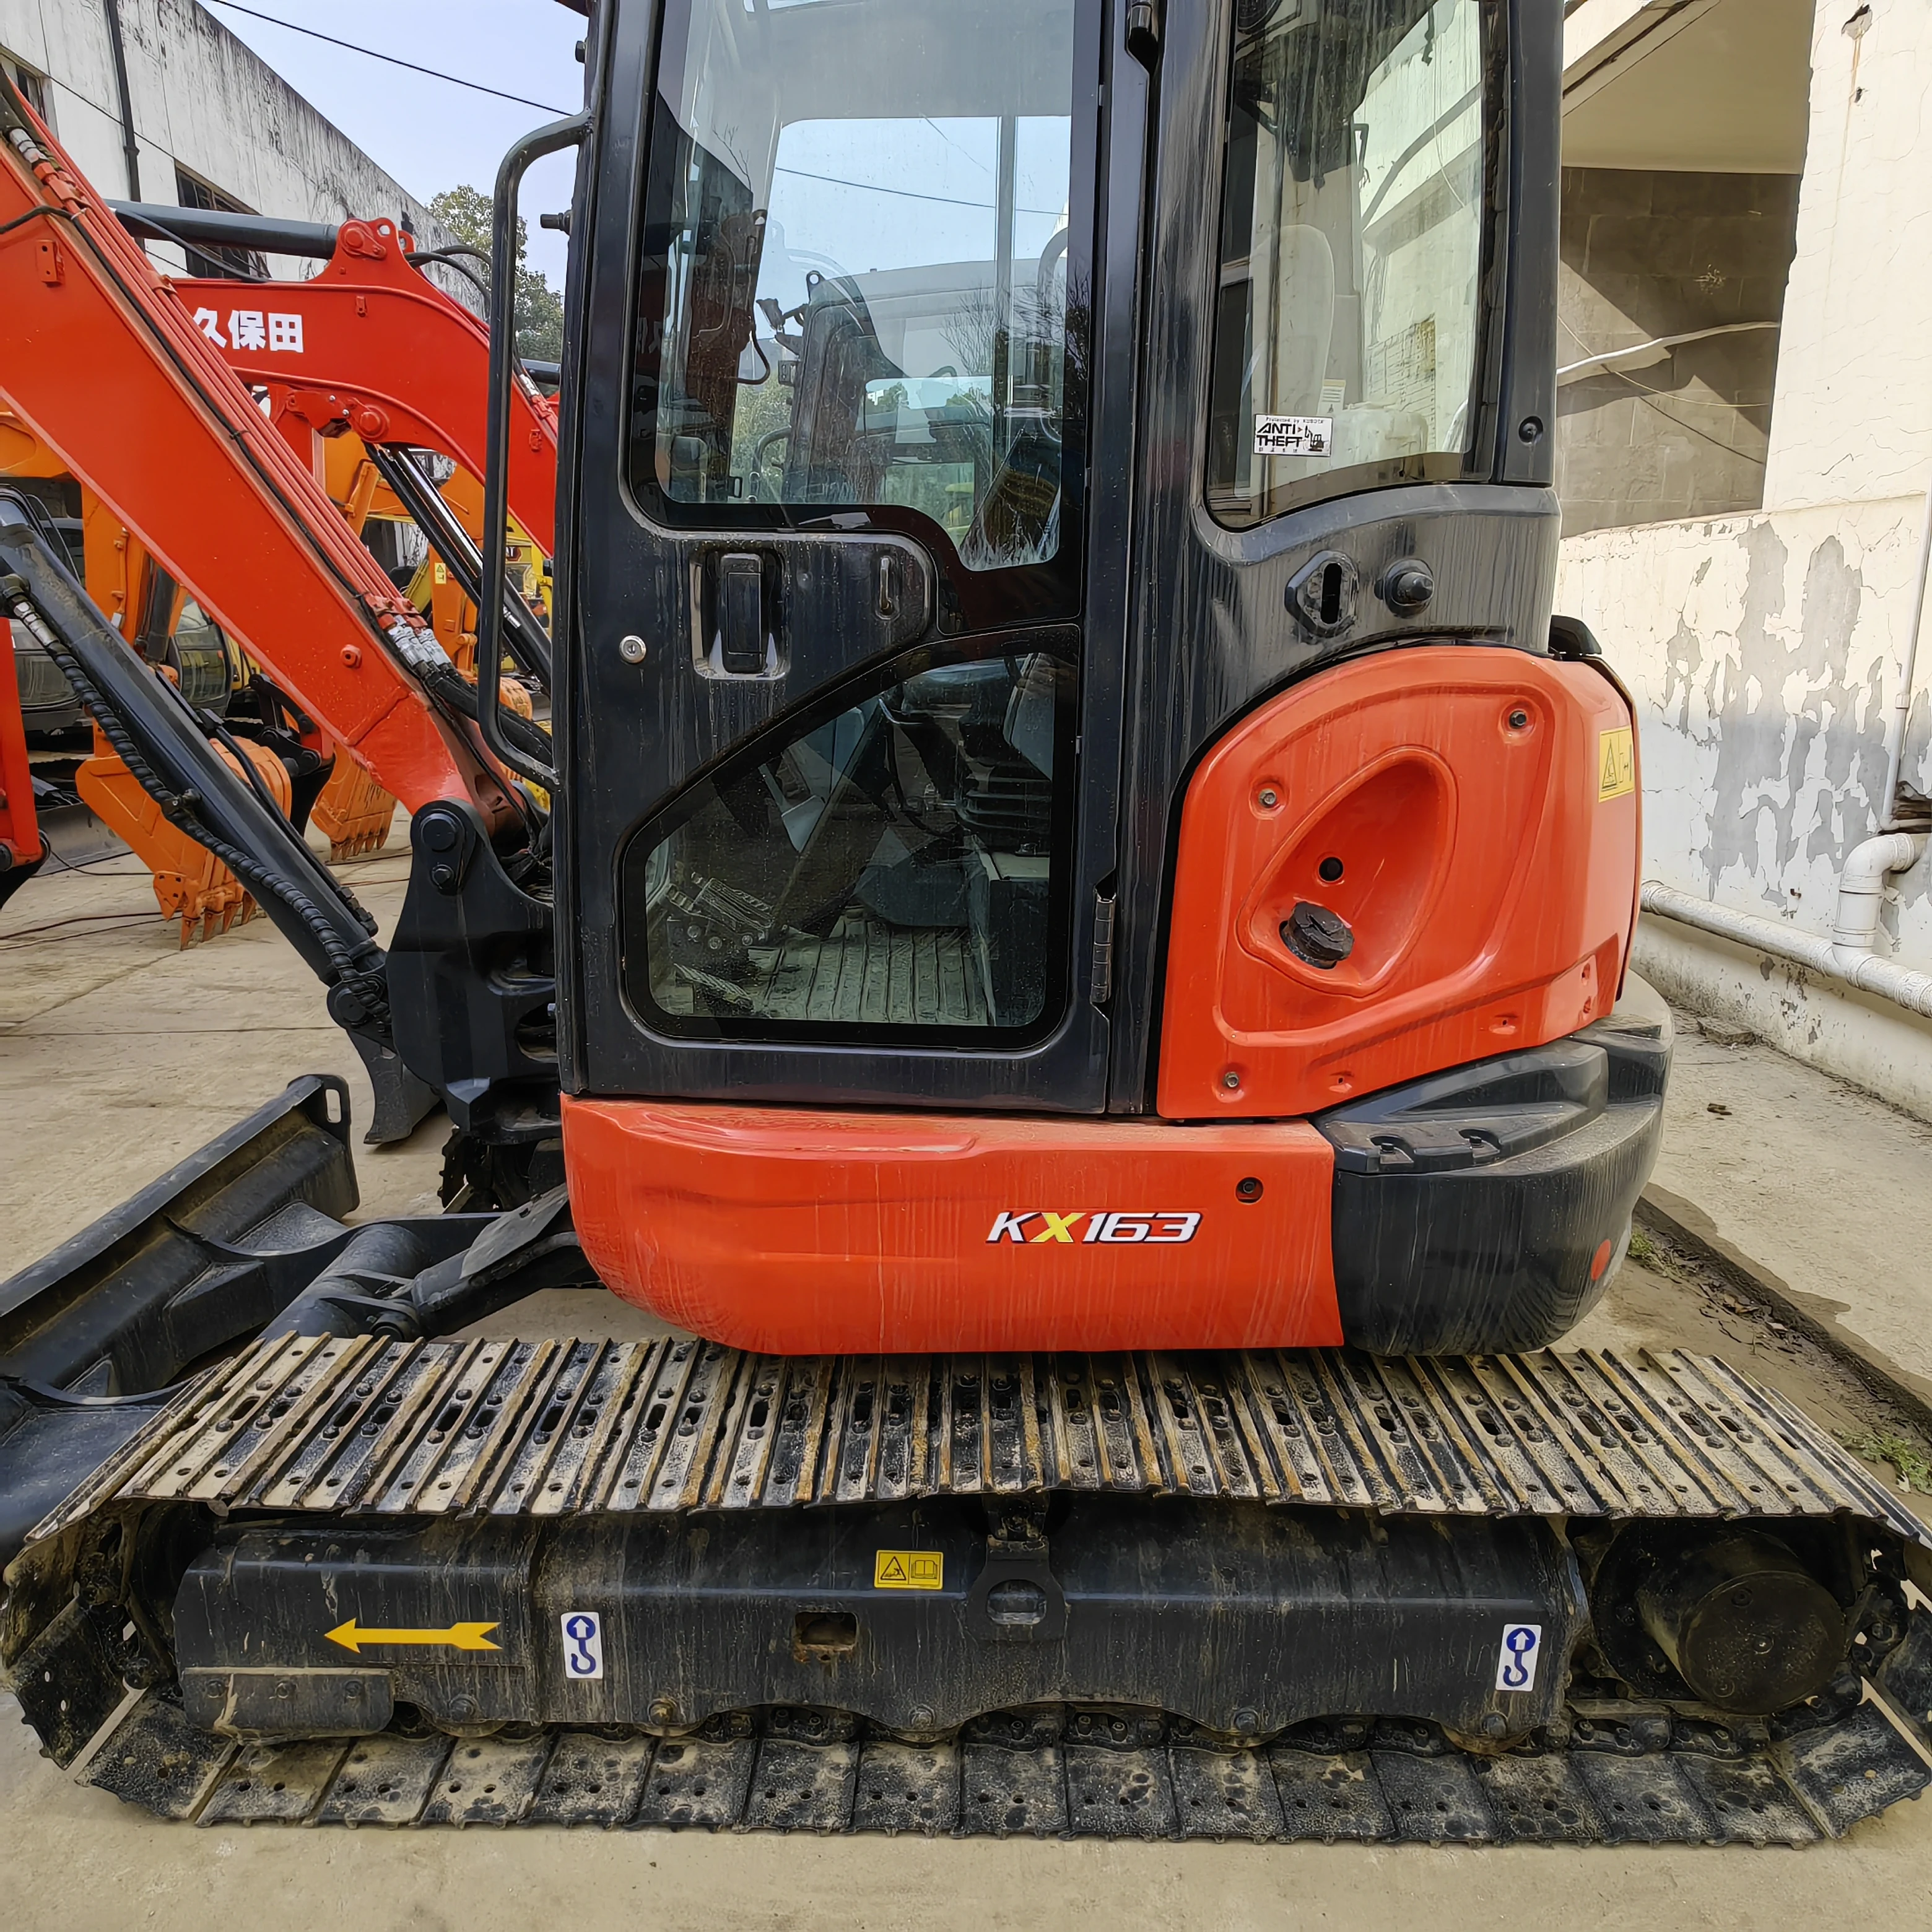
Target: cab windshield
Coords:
[[855, 268]]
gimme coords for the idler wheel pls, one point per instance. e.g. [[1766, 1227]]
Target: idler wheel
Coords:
[[1745, 1625]]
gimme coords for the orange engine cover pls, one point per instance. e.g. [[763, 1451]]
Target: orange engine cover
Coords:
[[1470, 811], [791, 1232]]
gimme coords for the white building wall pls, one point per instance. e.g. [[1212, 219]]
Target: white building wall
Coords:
[[1852, 418], [203, 99], [1764, 650]]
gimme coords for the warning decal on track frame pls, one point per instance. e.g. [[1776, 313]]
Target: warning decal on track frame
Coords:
[[908, 1570], [582, 1644]]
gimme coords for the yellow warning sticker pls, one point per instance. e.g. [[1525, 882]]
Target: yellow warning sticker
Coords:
[[1616, 763], [908, 1570]]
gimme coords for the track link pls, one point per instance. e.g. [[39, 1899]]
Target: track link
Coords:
[[551, 1428], [1652, 1779]]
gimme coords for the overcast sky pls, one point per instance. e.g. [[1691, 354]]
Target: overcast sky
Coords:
[[429, 135]]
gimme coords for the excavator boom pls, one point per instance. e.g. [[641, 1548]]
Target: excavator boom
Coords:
[[111, 372], [370, 343], [22, 848]]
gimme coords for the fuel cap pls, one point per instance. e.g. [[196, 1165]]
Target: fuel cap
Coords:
[[1315, 934]]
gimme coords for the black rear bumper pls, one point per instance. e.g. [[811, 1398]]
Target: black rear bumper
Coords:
[[1485, 1209]]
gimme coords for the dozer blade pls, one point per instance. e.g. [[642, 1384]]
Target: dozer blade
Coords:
[[95, 1336], [1266, 1595]]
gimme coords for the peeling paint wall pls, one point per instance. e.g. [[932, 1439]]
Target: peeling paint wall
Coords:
[[1763, 653]]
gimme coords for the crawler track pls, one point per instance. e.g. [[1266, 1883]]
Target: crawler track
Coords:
[[555, 1428], [370, 1431]]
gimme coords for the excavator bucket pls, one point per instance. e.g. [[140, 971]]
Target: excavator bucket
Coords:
[[191, 884], [351, 811]]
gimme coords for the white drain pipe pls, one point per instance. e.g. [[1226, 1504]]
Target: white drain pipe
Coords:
[[1849, 955], [1901, 705]]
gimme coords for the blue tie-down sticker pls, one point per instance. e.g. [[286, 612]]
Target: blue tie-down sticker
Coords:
[[1516, 1663], [582, 1644]]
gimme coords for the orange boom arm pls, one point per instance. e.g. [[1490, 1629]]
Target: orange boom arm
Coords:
[[110, 371], [371, 344]]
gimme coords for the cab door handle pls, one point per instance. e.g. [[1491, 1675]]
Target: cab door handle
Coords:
[[742, 630]]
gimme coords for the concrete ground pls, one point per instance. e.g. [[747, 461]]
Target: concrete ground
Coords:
[[1812, 1186], [120, 1054]]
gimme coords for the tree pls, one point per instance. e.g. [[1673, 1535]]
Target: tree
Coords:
[[539, 313]]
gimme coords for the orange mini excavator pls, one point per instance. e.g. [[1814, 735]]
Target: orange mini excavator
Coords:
[[369, 337], [1071, 936]]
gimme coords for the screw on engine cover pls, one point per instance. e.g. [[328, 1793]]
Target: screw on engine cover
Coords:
[[922, 1715], [663, 1711], [1518, 719], [1247, 1722], [1269, 799], [632, 649], [1248, 1190], [1230, 1079], [1495, 1724]]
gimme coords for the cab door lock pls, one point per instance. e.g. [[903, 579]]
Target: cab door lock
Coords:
[[742, 638]]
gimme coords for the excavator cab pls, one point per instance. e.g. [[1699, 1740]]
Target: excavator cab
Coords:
[[1063, 742]]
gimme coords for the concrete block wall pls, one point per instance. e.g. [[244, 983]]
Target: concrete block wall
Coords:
[[1648, 253]]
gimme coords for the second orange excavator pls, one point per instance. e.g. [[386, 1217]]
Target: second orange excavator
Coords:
[[409, 371]]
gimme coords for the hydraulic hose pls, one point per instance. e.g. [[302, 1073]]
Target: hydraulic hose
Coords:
[[449, 686], [165, 749], [524, 636], [177, 807]]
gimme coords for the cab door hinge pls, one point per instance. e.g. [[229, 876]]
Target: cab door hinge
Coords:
[[1100, 988]]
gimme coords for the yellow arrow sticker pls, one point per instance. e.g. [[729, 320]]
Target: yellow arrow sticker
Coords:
[[1616, 764], [458, 1637], [908, 1570]]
